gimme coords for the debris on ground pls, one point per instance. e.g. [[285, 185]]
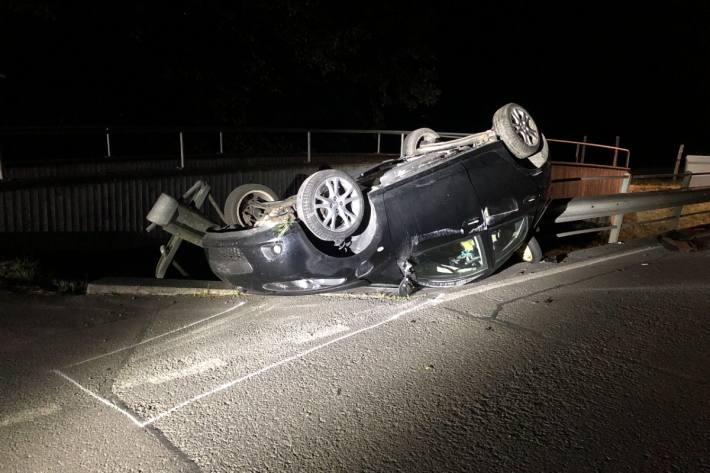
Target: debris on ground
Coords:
[[687, 240]]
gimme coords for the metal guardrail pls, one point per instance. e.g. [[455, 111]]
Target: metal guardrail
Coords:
[[617, 205]]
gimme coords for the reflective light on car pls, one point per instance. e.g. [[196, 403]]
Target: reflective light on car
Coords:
[[300, 285], [451, 263], [507, 238], [495, 212], [272, 251]]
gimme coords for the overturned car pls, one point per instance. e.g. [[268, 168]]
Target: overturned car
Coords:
[[444, 214]]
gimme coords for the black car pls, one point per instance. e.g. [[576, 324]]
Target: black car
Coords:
[[444, 214]]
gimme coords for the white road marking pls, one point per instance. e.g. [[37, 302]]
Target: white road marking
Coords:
[[289, 360], [161, 378], [541, 274], [119, 350], [438, 299], [29, 415], [100, 399], [321, 332]]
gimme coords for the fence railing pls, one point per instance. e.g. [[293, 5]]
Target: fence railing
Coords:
[[110, 135], [92, 137], [580, 154]]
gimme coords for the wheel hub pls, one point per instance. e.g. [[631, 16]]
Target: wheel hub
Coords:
[[524, 126], [335, 203]]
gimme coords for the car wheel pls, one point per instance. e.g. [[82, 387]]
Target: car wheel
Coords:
[[517, 130], [540, 158], [531, 251], [330, 204], [416, 138], [242, 205]]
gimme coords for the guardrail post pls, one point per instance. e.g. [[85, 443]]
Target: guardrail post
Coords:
[[618, 219], [221, 143], [678, 211], [584, 148], [401, 144], [678, 159], [182, 153], [108, 144], [308, 135], [379, 137], [616, 151]]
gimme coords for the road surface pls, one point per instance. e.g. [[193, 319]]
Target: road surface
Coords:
[[601, 363]]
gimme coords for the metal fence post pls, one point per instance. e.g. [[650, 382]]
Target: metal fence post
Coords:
[[308, 135], [221, 143], [616, 151], [584, 148], [108, 144], [401, 144], [678, 211], [182, 153], [379, 136], [678, 159], [618, 219]]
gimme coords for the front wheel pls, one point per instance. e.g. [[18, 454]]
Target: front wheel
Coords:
[[531, 251], [330, 204]]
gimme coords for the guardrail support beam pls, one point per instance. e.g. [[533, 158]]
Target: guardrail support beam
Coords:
[[618, 219], [678, 211]]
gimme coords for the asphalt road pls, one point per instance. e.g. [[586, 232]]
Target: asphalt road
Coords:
[[601, 363]]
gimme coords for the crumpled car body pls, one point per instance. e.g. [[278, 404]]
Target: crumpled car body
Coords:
[[445, 217]]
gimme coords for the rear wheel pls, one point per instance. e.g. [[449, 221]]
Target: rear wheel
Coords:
[[243, 205], [416, 138], [330, 204], [517, 130]]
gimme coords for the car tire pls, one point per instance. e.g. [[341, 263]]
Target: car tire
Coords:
[[239, 207], [540, 158], [330, 204], [517, 130], [416, 138], [531, 251]]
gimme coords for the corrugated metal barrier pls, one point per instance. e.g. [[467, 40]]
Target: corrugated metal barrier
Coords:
[[121, 204]]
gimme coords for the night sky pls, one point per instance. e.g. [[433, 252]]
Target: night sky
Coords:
[[638, 71]]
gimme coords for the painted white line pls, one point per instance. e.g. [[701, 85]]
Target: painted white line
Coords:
[[171, 375], [119, 350], [229, 384], [29, 415], [542, 274], [438, 299], [321, 332], [100, 399]]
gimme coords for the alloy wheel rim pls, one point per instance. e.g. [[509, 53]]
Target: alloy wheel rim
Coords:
[[337, 204], [524, 126]]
